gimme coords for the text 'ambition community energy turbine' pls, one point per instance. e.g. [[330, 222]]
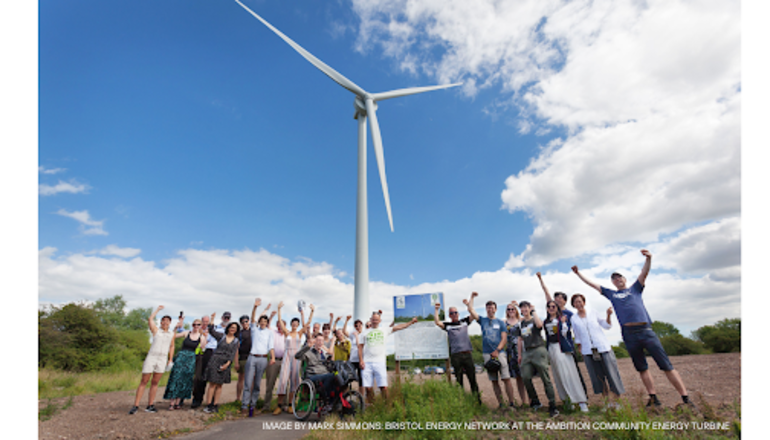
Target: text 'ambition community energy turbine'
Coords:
[[366, 107]]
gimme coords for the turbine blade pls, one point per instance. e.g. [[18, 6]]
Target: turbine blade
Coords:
[[410, 91], [331, 73], [377, 140]]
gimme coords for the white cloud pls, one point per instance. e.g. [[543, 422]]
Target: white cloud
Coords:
[[202, 282], [69, 187], [44, 170], [119, 251], [649, 92], [88, 226]]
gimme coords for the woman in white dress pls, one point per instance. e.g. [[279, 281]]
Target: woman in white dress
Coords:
[[559, 344]]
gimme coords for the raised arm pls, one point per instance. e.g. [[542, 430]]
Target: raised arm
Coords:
[[257, 303], [270, 318], [331, 319], [538, 321], [586, 280], [309, 318], [646, 268], [179, 326], [281, 327], [151, 320], [469, 303], [345, 327], [606, 324], [435, 318], [545, 289], [334, 327], [404, 325]]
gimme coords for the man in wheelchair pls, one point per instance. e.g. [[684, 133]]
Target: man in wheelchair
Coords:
[[319, 366]]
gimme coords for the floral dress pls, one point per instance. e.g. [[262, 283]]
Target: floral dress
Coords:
[[514, 330], [180, 381]]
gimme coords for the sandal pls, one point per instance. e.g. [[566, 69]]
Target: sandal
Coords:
[[177, 406]]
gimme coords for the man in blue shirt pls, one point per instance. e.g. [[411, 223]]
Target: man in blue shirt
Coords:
[[636, 327], [495, 339]]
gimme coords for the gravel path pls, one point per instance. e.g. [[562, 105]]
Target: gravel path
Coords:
[[717, 377]]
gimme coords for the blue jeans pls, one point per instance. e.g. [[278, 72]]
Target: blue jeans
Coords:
[[637, 338]]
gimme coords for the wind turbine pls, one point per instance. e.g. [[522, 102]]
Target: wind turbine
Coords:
[[365, 107]]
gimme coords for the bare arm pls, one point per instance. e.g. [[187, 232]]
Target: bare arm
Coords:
[[545, 289], [608, 321], [270, 318], [331, 319], [310, 318], [281, 327], [501, 346], [345, 328], [435, 318], [151, 320], [646, 268], [586, 280], [404, 325], [469, 303], [538, 321], [171, 351]]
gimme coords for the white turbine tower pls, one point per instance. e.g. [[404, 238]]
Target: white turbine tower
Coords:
[[365, 106]]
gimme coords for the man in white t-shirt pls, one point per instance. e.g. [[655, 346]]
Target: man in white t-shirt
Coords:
[[372, 355]]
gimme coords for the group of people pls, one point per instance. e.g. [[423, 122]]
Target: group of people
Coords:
[[514, 348], [518, 348], [209, 352]]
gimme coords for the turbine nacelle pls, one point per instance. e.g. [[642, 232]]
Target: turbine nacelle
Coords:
[[360, 105]]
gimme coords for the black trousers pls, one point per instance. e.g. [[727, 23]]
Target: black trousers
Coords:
[[199, 386], [463, 364]]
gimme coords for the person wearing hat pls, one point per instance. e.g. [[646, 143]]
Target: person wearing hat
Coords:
[[494, 339], [534, 357], [636, 329], [460, 347]]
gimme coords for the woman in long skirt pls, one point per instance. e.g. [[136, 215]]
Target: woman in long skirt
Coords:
[[289, 379], [180, 381], [563, 368]]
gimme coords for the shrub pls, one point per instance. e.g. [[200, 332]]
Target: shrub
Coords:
[[677, 344], [722, 337]]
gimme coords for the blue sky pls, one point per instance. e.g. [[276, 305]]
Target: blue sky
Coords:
[[188, 156]]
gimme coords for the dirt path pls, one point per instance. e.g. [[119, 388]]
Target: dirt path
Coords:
[[717, 377]]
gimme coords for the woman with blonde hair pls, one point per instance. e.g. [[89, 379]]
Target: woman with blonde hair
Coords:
[[180, 382], [513, 327]]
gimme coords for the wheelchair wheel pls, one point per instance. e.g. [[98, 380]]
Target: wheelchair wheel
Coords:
[[304, 400], [356, 401]]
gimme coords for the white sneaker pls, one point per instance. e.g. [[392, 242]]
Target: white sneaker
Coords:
[[583, 407]]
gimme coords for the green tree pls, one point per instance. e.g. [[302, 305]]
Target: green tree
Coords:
[[663, 329], [71, 337], [676, 345], [722, 337]]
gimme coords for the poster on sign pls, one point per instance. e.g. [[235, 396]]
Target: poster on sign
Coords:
[[422, 340]]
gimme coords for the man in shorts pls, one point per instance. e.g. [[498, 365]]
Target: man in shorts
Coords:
[[494, 340], [460, 348], [636, 329], [372, 355]]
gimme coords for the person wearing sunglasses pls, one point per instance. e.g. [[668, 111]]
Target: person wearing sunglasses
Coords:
[[180, 381], [460, 349], [561, 301], [513, 328], [559, 345]]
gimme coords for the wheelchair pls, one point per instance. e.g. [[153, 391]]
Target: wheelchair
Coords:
[[342, 400]]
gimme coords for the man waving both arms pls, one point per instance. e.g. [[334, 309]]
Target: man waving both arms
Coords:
[[636, 327]]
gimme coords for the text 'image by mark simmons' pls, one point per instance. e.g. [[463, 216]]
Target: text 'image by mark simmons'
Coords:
[[553, 250]]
